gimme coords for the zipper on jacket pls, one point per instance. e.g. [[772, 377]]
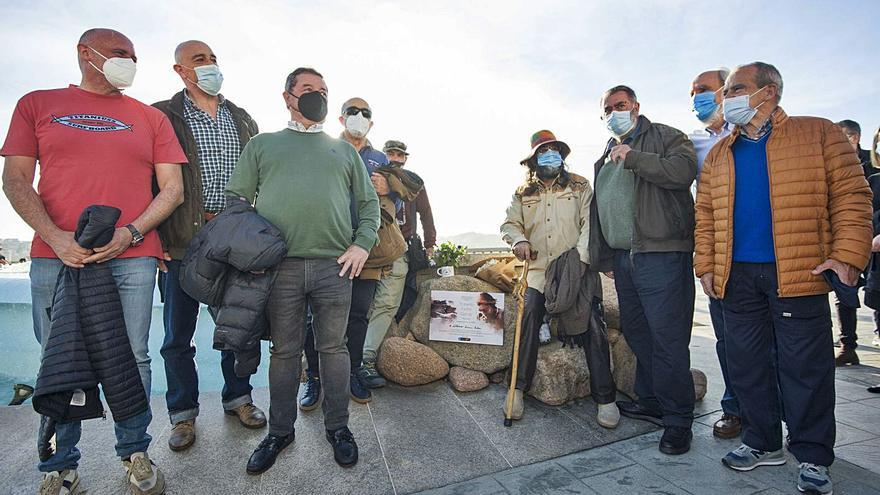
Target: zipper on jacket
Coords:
[[772, 225]]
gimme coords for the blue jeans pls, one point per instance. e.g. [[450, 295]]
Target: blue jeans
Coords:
[[656, 296], [729, 404], [134, 279], [178, 351]]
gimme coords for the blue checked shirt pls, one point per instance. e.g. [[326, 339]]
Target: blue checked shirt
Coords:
[[218, 148]]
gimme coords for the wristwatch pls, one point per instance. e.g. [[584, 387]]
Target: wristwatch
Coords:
[[136, 237]]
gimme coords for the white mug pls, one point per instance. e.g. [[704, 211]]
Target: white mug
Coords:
[[446, 271]]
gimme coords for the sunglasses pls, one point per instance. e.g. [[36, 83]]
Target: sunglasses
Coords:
[[366, 112], [547, 147]]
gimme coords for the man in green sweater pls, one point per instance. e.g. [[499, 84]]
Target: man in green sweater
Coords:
[[303, 181]]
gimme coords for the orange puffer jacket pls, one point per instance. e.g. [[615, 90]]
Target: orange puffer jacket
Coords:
[[820, 201]]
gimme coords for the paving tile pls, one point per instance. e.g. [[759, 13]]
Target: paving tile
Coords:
[[485, 485], [632, 480], [709, 445], [852, 487], [583, 411], [847, 434], [423, 428], [696, 473], [865, 454], [541, 478], [546, 431], [592, 462], [307, 465], [638, 443], [871, 402], [853, 391], [857, 415]]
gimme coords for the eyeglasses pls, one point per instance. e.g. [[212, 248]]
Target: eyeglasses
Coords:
[[366, 112]]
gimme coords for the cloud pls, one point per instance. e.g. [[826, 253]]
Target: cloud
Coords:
[[465, 84]]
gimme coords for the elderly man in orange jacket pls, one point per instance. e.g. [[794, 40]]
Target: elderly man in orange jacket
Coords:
[[782, 207]]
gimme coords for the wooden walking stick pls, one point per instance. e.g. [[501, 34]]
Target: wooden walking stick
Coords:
[[519, 292]]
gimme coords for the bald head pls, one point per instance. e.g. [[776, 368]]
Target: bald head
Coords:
[[192, 51], [96, 45], [355, 102]]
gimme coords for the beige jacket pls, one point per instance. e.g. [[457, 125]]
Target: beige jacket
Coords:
[[553, 220]]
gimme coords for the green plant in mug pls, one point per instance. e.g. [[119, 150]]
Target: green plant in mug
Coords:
[[448, 254]]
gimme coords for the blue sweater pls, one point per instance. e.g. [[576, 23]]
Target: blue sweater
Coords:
[[752, 215]]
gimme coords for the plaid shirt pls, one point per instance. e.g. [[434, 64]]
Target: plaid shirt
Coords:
[[218, 148]]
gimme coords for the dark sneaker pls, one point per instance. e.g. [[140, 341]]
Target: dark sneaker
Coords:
[[729, 426], [814, 479], [263, 458], [345, 449], [676, 440], [312, 395], [183, 435], [359, 393], [635, 410], [874, 389], [846, 356], [249, 415], [745, 458], [369, 376]]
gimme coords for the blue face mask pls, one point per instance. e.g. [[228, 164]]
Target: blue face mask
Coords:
[[619, 123], [550, 159], [704, 105]]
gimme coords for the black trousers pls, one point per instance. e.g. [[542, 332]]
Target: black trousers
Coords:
[[799, 328], [596, 350], [656, 295], [362, 292]]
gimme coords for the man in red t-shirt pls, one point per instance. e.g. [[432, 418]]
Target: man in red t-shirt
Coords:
[[96, 146]]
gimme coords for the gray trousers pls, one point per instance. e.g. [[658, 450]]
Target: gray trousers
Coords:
[[300, 284]]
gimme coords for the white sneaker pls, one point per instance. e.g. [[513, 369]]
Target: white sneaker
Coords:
[[608, 415], [60, 483], [143, 476]]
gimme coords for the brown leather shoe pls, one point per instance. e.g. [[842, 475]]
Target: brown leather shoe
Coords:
[[847, 355], [729, 426], [249, 415], [183, 435]]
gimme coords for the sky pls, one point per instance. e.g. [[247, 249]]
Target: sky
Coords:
[[464, 83]]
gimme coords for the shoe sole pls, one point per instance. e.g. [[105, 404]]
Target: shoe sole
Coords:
[[261, 471], [776, 462], [726, 436], [315, 405], [182, 448], [159, 489], [803, 490], [361, 401], [609, 426], [250, 427], [644, 417], [683, 450]]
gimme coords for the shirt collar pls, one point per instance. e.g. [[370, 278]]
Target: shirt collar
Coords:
[[189, 101], [300, 127], [725, 129]]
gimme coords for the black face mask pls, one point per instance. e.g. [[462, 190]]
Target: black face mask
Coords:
[[312, 105], [545, 173]]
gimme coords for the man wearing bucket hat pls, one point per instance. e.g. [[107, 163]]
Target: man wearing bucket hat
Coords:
[[642, 229], [548, 217]]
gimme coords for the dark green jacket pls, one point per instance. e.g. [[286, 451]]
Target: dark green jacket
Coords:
[[665, 165], [178, 229]]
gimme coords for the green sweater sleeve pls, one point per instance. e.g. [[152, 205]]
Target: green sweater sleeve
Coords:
[[246, 177], [367, 204]]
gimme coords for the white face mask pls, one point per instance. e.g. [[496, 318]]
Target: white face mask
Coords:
[[210, 79], [357, 125], [118, 71]]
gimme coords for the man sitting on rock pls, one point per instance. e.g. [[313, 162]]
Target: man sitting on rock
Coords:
[[549, 215]]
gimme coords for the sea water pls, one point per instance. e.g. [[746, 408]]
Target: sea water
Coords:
[[20, 352]]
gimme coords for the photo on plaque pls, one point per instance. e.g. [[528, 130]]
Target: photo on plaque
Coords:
[[467, 317]]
